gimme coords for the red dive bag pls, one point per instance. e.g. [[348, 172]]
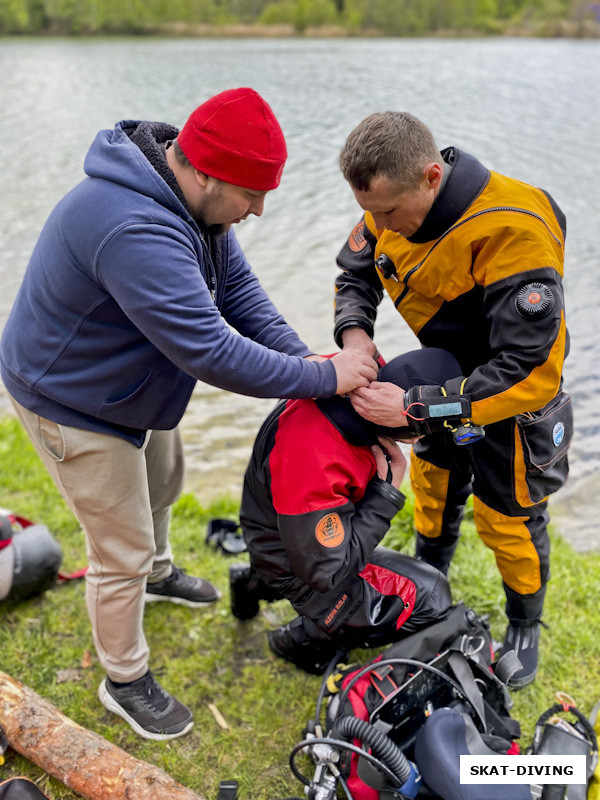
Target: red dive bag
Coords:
[[29, 557]]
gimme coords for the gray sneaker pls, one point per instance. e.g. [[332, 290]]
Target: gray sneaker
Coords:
[[144, 704], [183, 589]]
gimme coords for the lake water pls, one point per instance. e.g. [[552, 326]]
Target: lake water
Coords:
[[526, 108]]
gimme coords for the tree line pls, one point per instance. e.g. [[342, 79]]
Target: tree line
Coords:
[[390, 17]]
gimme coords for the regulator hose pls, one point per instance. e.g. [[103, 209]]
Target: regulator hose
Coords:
[[383, 747]]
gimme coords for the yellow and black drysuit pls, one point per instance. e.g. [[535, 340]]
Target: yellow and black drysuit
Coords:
[[482, 279]]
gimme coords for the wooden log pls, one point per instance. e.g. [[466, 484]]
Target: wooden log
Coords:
[[84, 761]]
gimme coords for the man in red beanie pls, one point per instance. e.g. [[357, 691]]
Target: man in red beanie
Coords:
[[136, 289]]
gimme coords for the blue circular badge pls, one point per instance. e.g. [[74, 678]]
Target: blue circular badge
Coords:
[[558, 433]]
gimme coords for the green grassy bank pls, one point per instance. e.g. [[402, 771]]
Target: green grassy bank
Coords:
[[207, 657]]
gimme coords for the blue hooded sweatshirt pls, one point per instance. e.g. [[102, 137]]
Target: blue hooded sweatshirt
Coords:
[[126, 303]]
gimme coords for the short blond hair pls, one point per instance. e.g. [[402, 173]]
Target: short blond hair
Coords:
[[392, 143]]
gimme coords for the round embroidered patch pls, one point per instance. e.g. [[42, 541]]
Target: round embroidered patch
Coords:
[[356, 240], [558, 433], [329, 530], [534, 301]]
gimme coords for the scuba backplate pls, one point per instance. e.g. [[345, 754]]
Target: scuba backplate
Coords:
[[377, 713]]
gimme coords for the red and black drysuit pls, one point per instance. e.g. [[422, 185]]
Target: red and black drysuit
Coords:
[[482, 278], [313, 512]]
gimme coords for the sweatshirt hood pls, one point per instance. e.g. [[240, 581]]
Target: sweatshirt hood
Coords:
[[132, 155]]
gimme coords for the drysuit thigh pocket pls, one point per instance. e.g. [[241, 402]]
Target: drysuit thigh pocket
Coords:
[[542, 439]]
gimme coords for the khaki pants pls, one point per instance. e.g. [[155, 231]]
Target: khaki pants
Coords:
[[122, 497]]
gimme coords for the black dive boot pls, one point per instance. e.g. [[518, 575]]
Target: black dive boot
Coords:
[[242, 591], [246, 589], [292, 643], [524, 639]]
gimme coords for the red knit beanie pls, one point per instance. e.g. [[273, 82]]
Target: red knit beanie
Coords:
[[235, 137]]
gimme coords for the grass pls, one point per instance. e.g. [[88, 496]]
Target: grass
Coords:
[[208, 657]]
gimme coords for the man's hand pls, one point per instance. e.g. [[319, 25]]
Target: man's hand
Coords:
[[358, 339], [389, 456], [381, 403], [353, 368]]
